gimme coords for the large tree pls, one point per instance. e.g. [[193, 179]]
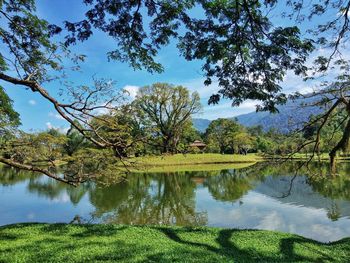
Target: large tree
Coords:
[[167, 109], [222, 132]]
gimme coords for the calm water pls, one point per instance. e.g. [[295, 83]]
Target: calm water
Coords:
[[260, 197]]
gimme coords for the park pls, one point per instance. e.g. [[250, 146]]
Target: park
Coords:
[[174, 131]]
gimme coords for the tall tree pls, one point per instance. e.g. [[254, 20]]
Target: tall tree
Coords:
[[167, 109]]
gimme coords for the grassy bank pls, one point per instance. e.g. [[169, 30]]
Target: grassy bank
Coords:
[[192, 162], [111, 243], [303, 156]]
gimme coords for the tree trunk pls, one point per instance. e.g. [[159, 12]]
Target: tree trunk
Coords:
[[166, 144]]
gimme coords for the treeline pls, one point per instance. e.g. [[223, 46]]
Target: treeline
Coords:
[[158, 121]]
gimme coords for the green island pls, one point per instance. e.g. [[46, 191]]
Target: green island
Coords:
[[110, 243], [192, 162]]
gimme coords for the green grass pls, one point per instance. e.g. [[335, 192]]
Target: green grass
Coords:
[[303, 156], [187, 168], [113, 243], [192, 162]]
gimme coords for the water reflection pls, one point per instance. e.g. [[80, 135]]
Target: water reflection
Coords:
[[315, 206]]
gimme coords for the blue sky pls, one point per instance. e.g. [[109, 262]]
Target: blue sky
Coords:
[[37, 114]]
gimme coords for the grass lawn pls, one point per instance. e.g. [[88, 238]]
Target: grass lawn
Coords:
[[115, 243], [188, 168], [192, 162], [303, 156]]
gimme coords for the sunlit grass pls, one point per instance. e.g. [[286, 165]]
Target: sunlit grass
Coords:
[[205, 158], [191, 162]]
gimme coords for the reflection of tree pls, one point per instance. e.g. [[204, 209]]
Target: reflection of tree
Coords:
[[149, 199], [52, 189], [47, 188], [335, 188], [12, 176], [170, 198], [41, 185], [334, 212], [230, 185], [77, 193]]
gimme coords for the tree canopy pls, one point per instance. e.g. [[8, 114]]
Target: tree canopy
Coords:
[[167, 108]]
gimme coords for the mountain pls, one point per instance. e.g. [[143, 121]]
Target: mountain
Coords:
[[290, 117], [201, 124]]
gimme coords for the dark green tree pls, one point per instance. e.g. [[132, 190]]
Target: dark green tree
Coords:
[[222, 132]]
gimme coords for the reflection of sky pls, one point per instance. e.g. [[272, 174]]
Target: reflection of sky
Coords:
[[259, 211], [19, 205]]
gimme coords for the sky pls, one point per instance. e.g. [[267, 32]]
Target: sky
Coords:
[[37, 114]]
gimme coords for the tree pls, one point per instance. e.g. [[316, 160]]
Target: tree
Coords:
[[167, 109], [120, 128], [9, 118], [222, 132], [189, 135], [30, 58], [75, 141], [243, 141], [334, 122], [236, 40]]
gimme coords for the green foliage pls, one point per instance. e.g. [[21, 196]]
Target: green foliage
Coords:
[[75, 141], [236, 40], [9, 118], [42, 148], [221, 135], [26, 39]]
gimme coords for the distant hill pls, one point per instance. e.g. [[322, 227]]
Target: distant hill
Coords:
[[201, 124], [290, 117]]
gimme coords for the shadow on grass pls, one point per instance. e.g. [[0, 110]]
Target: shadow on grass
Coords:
[[287, 252], [91, 243]]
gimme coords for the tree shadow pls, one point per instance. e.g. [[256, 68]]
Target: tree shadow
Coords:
[[231, 251], [226, 247], [62, 244], [287, 248]]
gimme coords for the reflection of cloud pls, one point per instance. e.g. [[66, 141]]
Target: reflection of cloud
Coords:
[[63, 198], [272, 221], [31, 216], [263, 212]]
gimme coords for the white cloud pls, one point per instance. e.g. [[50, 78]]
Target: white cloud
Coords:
[[56, 116], [49, 125], [32, 102], [198, 85], [132, 90], [61, 129]]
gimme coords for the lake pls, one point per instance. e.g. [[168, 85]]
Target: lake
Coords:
[[262, 196]]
